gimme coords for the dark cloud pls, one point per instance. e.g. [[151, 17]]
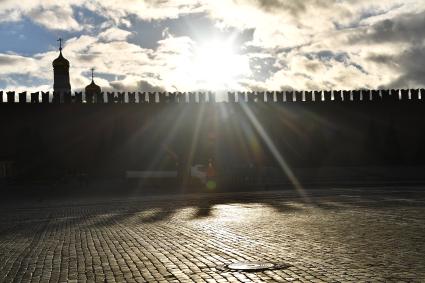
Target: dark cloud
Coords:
[[140, 85], [381, 59], [293, 7], [7, 60], [146, 86], [87, 57], [253, 86], [312, 66], [404, 28], [411, 64]]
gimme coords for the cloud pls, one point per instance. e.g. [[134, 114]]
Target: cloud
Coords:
[[404, 28], [126, 65], [411, 64], [114, 33], [304, 44], [45, 13], [55, 17], [12, 16], [131, 84], [15, 64]]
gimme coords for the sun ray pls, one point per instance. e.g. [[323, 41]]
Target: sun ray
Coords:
[[276, 154], [194, 143]]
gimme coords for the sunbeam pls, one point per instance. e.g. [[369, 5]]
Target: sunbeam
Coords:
[[276, 154], [194, 143]]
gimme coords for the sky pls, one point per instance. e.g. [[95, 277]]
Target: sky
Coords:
[[191, 45]]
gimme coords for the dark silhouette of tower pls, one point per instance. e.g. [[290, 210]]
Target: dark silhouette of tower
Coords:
[[93, 91], [61, 82]]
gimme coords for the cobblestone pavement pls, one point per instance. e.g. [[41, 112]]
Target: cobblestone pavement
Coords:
[[338, 235]]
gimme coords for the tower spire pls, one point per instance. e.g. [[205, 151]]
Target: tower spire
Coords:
[[93, 91], [61, 82], [60, 44]]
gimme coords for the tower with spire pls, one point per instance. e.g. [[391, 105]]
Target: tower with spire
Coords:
[[93, 91], [61, 82]]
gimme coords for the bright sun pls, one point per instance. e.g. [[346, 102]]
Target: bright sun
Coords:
[[217, 66]]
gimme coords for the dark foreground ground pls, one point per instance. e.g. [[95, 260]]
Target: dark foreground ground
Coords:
[[330, 235]]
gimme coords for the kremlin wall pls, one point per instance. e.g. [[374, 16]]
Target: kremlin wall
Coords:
[[51, 135]]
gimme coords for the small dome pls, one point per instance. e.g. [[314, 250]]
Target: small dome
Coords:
[[60, 61], [93, 88]]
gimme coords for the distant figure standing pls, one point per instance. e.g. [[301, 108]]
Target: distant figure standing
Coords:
[[210, 170], [211, 176]]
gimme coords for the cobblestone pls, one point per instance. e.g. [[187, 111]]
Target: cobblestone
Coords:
[[338, 235]]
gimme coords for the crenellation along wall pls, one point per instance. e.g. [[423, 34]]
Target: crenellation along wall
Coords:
[[142, 97]]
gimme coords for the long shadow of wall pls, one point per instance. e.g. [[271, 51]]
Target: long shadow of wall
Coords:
[[171, 131]]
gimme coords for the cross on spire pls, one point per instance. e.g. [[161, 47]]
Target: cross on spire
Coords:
[[92, 74], [60, 43]]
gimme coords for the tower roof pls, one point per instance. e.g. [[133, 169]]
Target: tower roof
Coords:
[[60, 61], [93, 87]]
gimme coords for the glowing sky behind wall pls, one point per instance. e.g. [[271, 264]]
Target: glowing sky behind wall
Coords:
[[221, 44]]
